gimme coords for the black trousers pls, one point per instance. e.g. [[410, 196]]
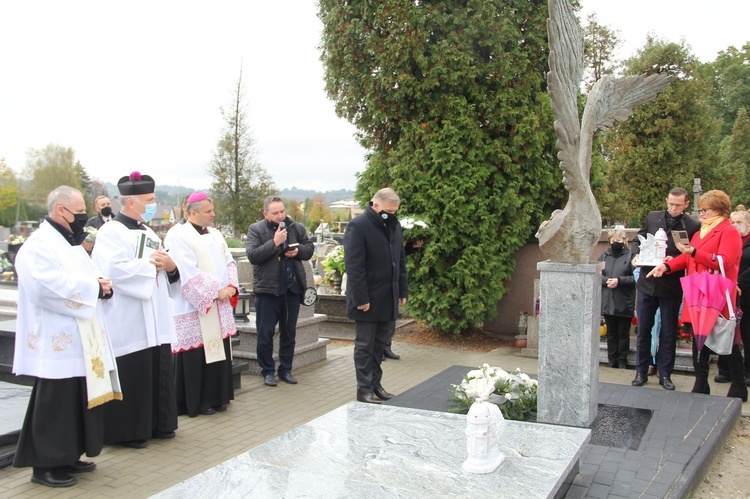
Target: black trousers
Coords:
[[59, 427], [370, 340], [646, 307], [618, 339], [723, 362]]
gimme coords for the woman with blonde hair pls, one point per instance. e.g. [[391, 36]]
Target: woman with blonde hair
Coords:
[[717, 237], [618, 297]]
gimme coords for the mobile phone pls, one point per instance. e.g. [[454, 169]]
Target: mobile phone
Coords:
[[681, 236], [292, 246]]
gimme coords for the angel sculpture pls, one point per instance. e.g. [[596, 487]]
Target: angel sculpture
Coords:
[[571, 233]]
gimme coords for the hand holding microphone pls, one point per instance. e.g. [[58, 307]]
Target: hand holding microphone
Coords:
[[280, 236]]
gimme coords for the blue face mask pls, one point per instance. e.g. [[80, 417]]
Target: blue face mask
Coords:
[[150, 212], [148, 215]]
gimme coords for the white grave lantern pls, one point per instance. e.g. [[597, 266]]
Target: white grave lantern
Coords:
[[653, 249], [484, 426]]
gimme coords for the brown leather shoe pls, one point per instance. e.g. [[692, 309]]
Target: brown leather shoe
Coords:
[[382, 394], [368, 397]]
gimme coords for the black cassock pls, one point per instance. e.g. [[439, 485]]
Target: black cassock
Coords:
[[148, 400], [201, 386], [59, 427]]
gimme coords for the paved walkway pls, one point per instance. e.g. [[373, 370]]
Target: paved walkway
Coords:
[[260, 413]]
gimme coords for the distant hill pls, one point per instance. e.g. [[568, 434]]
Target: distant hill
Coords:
[[302, 194], [173, 194]]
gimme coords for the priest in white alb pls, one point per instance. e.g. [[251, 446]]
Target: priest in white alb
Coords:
[[61, 341], [139, 316], [204, 311]]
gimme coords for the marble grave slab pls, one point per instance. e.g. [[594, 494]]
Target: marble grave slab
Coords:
[[363, 450]]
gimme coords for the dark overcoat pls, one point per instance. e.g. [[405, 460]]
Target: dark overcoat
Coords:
[[375, 268], [619, 301], [669, 284], [743, 279]]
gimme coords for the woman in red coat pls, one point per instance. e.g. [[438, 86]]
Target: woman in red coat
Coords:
[[716, 237]]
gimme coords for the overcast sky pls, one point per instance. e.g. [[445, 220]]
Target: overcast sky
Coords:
[[138, 85]]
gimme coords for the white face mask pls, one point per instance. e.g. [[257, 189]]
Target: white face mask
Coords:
[[741, 228]]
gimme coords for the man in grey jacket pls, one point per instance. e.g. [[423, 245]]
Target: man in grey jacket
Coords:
[[276, 246]]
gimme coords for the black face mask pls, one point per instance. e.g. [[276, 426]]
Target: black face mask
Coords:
[[389, 218], [107, 211], [617, 248], [78, 223]]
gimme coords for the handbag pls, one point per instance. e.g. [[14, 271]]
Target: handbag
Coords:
[[721, 337]]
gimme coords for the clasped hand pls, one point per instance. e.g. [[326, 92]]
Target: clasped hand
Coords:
[[162, 261], [226, 293], [106, 285]]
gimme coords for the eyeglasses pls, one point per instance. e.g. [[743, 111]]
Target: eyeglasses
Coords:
[[703, 211]]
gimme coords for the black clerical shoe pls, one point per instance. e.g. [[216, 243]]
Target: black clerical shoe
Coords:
[[269, 380], [77, 467], [640, 379], [164, 435], [208, 411], [666, 382], [382, 394], [720, 378], [388, 354], [220, 408], [52, 478], [288, 378], [368, 397], [134, 444]]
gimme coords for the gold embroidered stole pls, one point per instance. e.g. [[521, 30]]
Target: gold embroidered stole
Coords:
[[213, 345], [101, 385]]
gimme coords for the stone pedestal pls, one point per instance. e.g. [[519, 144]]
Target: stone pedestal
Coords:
[[309, 347], [569, 342]]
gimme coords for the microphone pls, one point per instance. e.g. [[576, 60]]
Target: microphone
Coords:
[[282, 225]]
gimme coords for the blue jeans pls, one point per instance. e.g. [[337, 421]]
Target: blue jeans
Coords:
[[269, 311]]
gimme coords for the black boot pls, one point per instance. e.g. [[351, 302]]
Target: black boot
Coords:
[[700, 364], [738, 388], [388, 353]]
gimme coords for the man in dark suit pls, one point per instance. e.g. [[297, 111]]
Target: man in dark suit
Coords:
[[377, 283], [103, 212], [663, 294]]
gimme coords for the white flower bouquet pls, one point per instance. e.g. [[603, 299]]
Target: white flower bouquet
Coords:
[[514, 393], [334, 261], [414, 229], [90, 233]]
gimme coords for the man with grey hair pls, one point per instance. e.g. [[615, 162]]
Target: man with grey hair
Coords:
[[204, 311], [377, 284], [60, 341], [276, 246], [140, 317]]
